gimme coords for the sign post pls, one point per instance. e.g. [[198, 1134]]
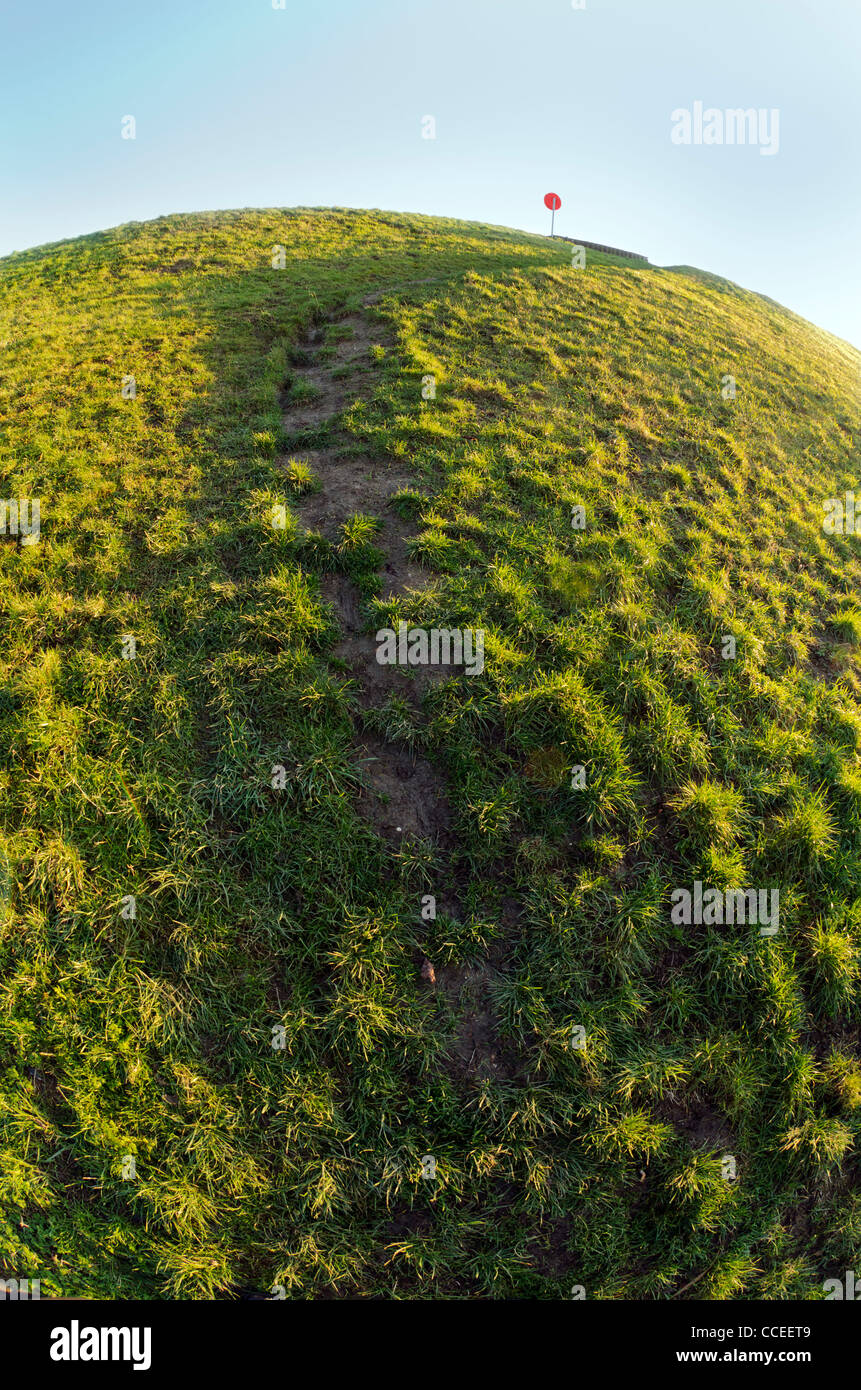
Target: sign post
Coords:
[[552, 201]]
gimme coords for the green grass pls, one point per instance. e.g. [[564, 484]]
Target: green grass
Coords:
[[253, 1029]]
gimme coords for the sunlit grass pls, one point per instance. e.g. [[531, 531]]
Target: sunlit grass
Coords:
[[211, 963]]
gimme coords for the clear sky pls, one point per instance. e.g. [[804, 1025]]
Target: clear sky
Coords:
[[239, 104]]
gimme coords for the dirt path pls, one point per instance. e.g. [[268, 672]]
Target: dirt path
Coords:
[[405, 796]]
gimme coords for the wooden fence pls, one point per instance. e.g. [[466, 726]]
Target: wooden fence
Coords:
[[595, 246]]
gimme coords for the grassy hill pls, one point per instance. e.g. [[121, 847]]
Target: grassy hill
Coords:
[[333, 978]]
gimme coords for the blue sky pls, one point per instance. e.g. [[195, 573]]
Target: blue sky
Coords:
[[238, 104]]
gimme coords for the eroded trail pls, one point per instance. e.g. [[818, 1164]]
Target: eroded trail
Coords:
[[405, 795]]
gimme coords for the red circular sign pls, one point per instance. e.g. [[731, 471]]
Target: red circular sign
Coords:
[[552, 201]]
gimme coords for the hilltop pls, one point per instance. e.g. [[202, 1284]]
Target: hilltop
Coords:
[[340, 978]]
